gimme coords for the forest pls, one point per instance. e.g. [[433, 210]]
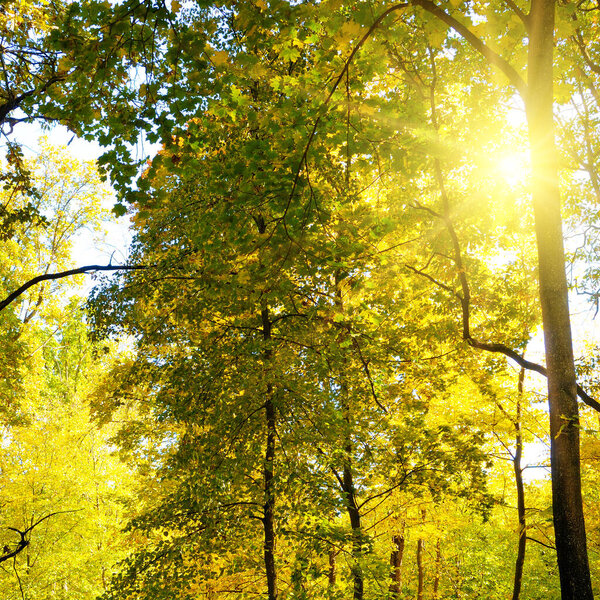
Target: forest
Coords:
[[351, 352]]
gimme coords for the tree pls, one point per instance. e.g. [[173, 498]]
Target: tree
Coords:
[[62, 512], [58, 509], [235, 94]]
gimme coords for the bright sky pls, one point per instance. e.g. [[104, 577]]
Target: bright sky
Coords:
[[117, 237]]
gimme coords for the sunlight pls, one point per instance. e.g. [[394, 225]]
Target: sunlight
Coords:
[[513, 167]]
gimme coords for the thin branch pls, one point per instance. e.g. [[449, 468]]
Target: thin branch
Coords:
[[24, 541], [313, 132], [465, 297], [365, 364], [541, 543], [445, 287], [18, 578], [584, 53]]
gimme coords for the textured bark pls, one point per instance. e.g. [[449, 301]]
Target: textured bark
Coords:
[[520, 493], [567, 503], [396, 557], [268, 475]]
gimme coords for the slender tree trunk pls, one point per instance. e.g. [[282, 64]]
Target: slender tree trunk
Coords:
[[268, 475], [331, 575], [351, 504], [355, 524], [520, 493], [348, 488], [396, 557], [438, 569], [567, 503], [420, 568]]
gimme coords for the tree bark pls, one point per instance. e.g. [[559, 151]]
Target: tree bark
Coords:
[[438, 568], [268, 475], [396, 557], [520, 493], [331, 575], [420, 568], [567, 502]]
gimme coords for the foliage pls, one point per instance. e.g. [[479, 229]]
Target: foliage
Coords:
[[324, 238]]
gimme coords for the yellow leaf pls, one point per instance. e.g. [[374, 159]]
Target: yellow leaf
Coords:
[[348, 32], [436, 38], [219, 58]]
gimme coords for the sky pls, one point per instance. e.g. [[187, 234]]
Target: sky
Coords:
[[87, 250]]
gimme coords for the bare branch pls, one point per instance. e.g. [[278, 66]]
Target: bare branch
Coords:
[[541, 543], [465, 297], [24, 541]]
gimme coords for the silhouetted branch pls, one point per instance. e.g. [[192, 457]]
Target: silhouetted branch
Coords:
[[52, 276], [24, 541], [492, 57]]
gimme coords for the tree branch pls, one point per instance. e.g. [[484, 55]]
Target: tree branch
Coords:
[[313, 132], [24, 541], [584, 53], [52, 276], [523, 16], [14, 103], [494, 347], [541, 543], [465, 297], [493, 58]]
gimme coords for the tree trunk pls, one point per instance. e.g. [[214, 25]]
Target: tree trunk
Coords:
[[567, 503], [396, 557], [520, 493], [351, 504], [438, 568], [331, 576], [347, 482], [354, 515], [420, 569], [268, 475]]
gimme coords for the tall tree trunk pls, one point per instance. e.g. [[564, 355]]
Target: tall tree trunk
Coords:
[[567, 503], [268, 474], [520, 492], [347, 482], [396, 557], [420, 568]]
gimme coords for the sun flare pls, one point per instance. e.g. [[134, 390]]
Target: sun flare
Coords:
[[513, 167]]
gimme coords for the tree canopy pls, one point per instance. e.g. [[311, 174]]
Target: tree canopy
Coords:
[[315, 367]]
